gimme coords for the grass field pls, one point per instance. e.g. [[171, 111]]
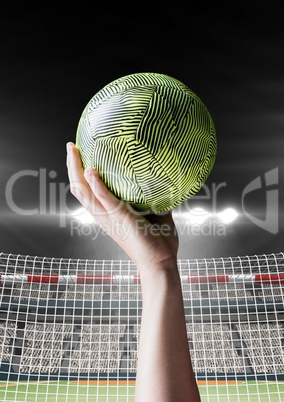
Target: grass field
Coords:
[[82, 392]]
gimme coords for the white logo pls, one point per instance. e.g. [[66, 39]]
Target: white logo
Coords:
[[271, 221]]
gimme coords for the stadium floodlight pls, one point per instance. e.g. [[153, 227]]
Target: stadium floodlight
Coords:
[[228, 215]]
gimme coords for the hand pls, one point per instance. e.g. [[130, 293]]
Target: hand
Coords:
[[151, 242]]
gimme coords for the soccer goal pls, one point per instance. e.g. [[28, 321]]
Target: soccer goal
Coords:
[[69, 329]]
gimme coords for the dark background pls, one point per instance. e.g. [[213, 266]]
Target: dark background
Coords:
[[53, 61]]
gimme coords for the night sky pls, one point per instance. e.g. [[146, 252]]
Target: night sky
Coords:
[[53, 62]]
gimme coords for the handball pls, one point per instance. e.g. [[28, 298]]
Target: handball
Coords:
[[151, 139]]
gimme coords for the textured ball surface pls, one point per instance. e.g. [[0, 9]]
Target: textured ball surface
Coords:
[[151, 139]]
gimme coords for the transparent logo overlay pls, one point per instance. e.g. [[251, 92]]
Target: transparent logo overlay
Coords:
[[51, 198]]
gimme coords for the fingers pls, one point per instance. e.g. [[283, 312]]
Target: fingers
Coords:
[[106, 198], [79, 186], [87, 186], [75, 168], [74, 165]]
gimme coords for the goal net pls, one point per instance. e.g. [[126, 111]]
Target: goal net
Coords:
[[69, 329]]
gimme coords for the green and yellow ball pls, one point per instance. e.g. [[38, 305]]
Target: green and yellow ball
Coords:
[[151, 139]]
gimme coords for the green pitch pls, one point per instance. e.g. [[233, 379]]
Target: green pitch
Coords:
[[65, 392], [68, 392], [243, 392]]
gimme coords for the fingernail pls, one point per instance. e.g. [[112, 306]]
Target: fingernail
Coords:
[[69, 145]]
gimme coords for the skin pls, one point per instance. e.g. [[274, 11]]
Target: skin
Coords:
[[164, 372]]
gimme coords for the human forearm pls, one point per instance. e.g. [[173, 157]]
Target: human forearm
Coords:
[[164, 361]]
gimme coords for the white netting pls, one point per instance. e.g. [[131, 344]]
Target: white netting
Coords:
[[69, 329]]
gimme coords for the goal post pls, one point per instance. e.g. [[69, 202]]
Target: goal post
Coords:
[[69, 328]]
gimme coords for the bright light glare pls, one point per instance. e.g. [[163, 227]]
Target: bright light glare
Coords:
[[194, 216], [198, 215], [83, 216], [228, 215]]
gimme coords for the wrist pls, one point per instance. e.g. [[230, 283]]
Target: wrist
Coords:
[[165, 272], [166, 265]]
